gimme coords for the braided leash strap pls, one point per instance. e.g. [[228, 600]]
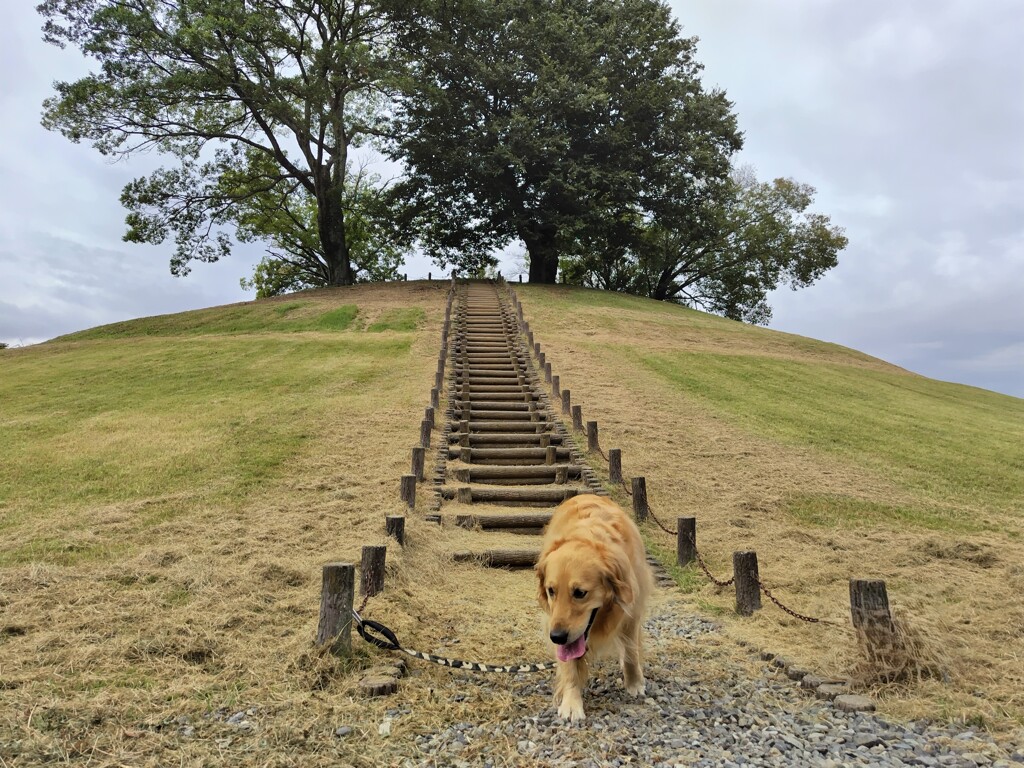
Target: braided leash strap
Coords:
[[377, 634]]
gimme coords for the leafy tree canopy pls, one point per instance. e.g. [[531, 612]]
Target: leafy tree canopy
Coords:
[[259, 103], [757, 236], [566, 125]]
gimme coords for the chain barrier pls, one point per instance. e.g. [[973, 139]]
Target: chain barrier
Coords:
[[700, 560], [382, 637]]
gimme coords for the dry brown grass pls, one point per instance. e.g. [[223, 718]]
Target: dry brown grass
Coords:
[[958, 593], [188, 603]]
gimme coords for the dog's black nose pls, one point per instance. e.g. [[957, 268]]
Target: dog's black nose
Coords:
[[559, 638]]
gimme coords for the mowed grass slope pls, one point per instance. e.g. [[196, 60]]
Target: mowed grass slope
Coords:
[[169, 489], [831, 465]]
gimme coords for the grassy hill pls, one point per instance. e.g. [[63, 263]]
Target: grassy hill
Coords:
[[169, 488]]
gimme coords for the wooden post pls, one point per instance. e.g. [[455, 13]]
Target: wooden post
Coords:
[[536, 348], [529, 336], [435, 398], [419, 455], [520, 278], [577, 418], [408, 489], [615, 465], [336, 608], [869, 610], [640, 499], [550, 454], [394, 526], [371, 570], [425, 428], [555, 392], [686, 540], [592, 444], [428, 415], [748, 584], [547, 371], [566, 402], [542, 359]]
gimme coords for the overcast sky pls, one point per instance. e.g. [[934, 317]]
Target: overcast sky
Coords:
[[907, 117]]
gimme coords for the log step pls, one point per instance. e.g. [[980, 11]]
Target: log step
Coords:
[[502, 414], [506, 439], [546, 472], [512, 496], [500, 455], [536, 427], [500, 558], [504, 522]]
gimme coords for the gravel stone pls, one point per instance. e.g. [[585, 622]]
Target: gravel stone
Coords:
[[727, 720]]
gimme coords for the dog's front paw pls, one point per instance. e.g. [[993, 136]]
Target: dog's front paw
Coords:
[[571, 709], [638, 688]]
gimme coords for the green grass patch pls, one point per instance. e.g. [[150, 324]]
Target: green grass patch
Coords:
[[689, 578], [253, 317], [404, 319], [946, 442], [177, 422], [835, 511]]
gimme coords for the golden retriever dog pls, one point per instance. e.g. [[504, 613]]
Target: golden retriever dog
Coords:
[[593, 582]]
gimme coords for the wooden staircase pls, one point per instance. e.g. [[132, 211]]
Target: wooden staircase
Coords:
[[505, 458]]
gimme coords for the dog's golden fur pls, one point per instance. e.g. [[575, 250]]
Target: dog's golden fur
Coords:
[[593, 559]]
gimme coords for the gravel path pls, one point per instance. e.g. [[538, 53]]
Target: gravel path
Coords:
[[729, 719]]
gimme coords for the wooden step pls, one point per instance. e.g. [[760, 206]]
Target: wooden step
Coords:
[[475, 414], [502, 455], [512, 496], [500, 558], [545, 472], [507, 439], [532, 521], [503, 426]]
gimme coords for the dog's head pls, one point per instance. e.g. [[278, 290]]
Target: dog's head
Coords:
[[576, 580]]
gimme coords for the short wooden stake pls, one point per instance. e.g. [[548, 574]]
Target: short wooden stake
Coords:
[[547, 371], [536, 348], [615, 465], [686, 540], [872, 617], [428, 415], [408, 489], [639, 499], [371, 570], [335, 627], [566, 402], [748, 583], [542, 359], [419, 454], [577, 418], [550, 454], [555, 391], [394, 526], [425, 428], [592, 442], [435, 398]]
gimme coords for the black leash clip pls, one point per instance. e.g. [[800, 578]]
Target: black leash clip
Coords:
[[376, 634]]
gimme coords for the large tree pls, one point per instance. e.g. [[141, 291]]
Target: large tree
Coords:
[[259, 103], [564, 124], [727, 256]]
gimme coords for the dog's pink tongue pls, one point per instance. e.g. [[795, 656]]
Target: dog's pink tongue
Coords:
[[572, 650]]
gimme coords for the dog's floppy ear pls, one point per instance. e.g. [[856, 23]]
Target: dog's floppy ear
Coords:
[[542, 596], [619, 575]]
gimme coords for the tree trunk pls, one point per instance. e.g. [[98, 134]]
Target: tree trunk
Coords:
[[331, 219], [665, 283], [543, 260]]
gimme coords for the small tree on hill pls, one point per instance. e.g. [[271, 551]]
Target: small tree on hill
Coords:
[[260, 105]]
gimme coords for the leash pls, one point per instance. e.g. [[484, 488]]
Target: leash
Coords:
[[382, 637]]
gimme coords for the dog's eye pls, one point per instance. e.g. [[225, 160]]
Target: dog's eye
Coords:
[[551, 591], [579, 594]]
